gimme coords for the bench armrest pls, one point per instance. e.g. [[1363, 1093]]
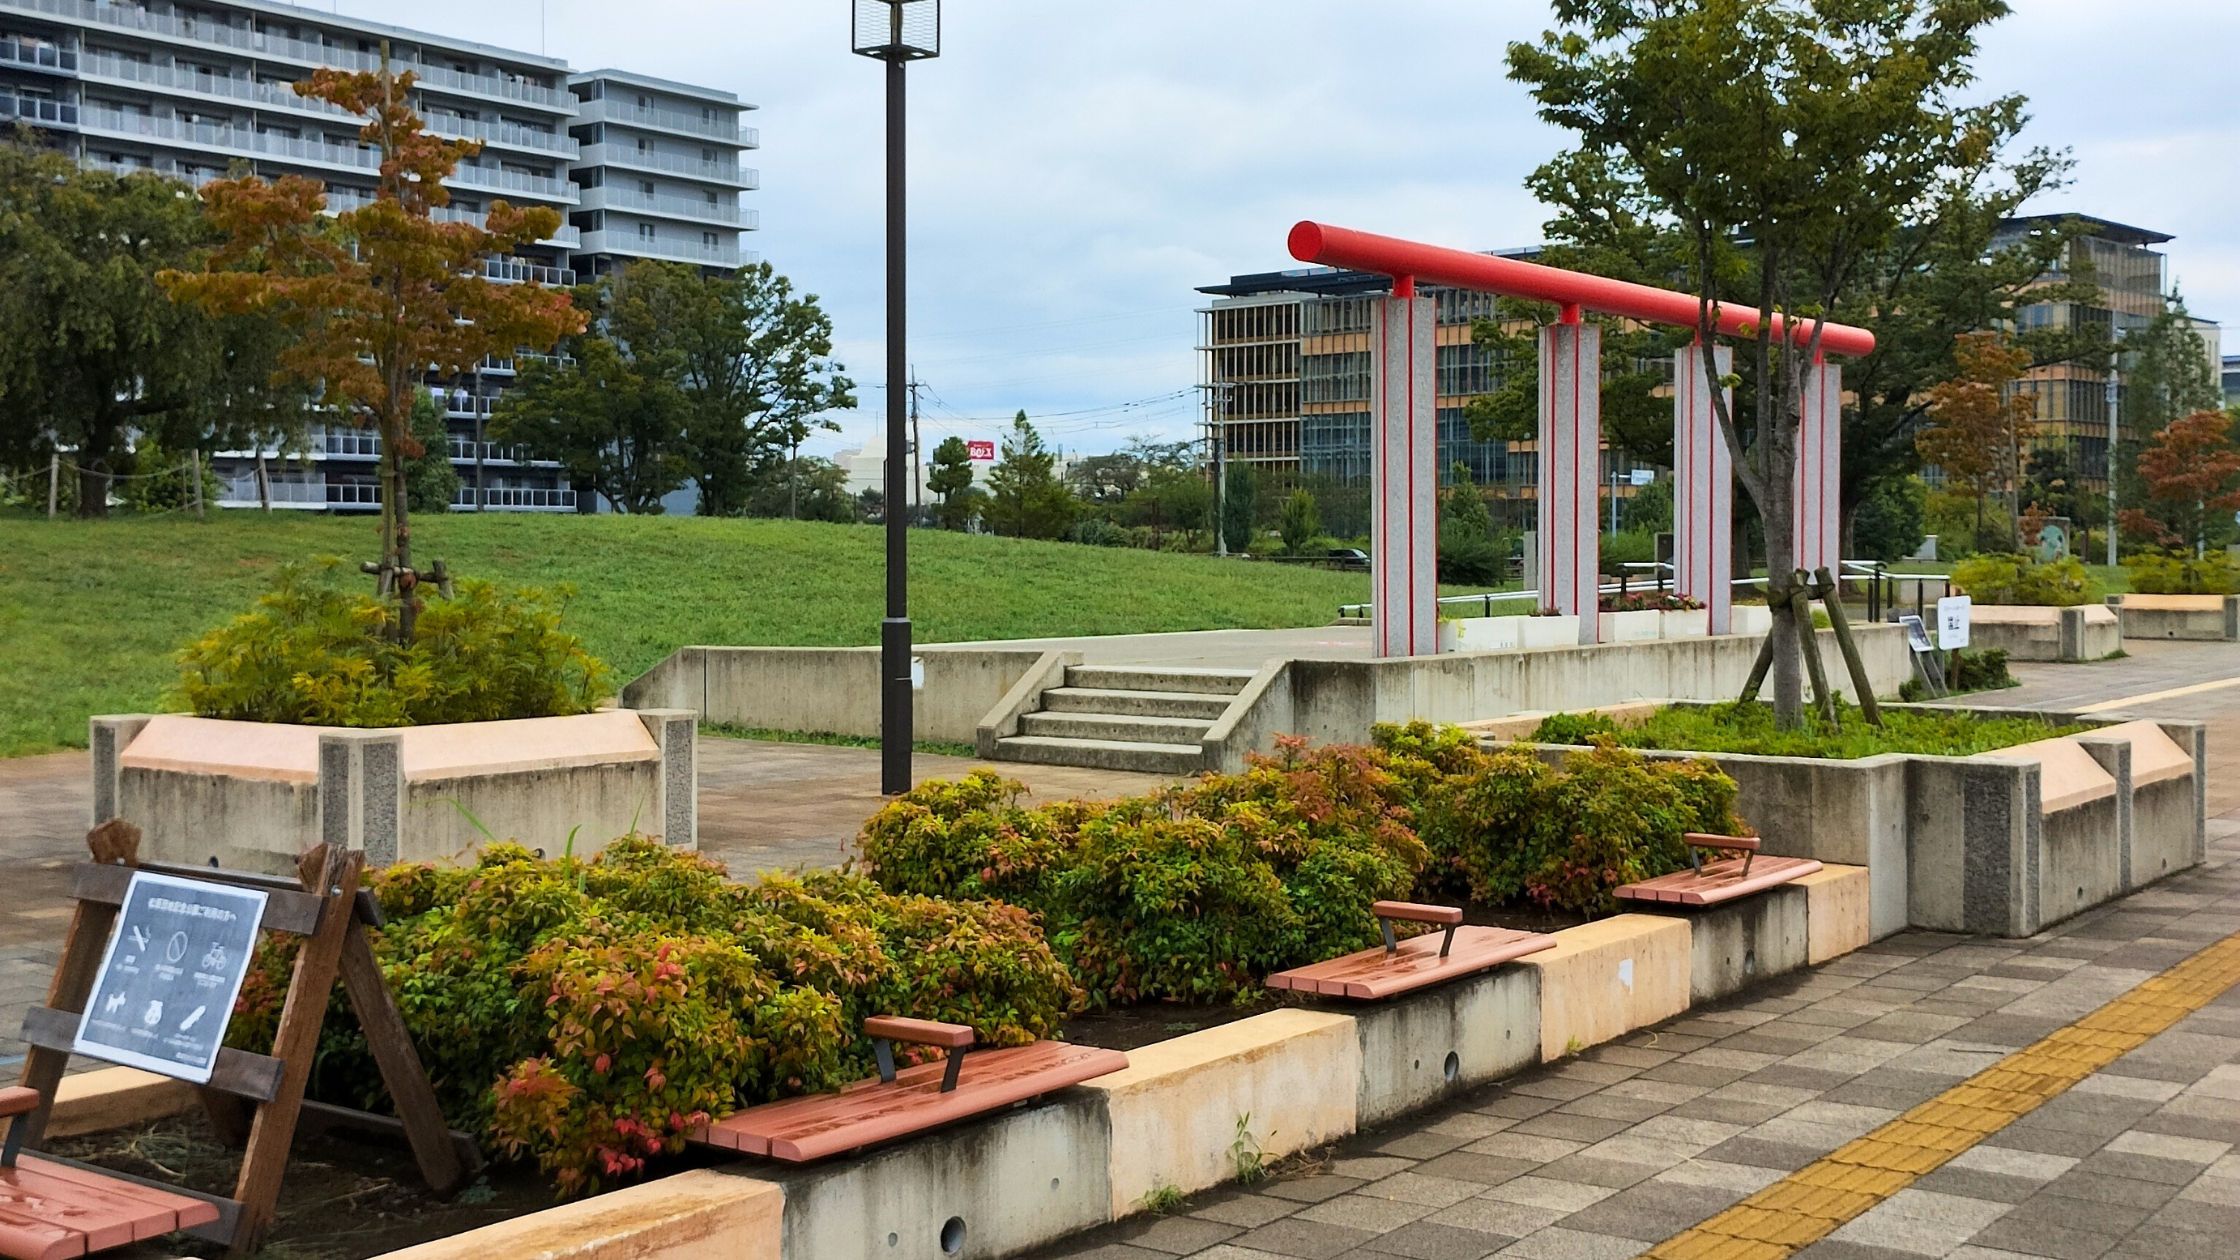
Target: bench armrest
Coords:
[[920, 1032], [885, 1030], [1747, 846], [16, 1106], [1411, 912], [1390, 912]]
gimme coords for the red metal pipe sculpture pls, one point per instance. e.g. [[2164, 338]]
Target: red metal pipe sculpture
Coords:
[[1574, 291]]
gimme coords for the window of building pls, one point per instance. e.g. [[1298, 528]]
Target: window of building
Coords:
[[646, 186], [645, 232], [708, 239]]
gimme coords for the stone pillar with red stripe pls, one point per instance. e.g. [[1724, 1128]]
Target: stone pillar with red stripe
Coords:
[[1570, 519], [1819, 485], [1703, 489], [1404, 556]]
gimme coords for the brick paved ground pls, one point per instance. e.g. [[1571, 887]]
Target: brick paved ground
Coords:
[[1602, 1156]]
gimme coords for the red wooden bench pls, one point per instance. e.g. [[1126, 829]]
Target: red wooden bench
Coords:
[[1710, 884], [51, 1211], [906, 1101], [1419, 962]]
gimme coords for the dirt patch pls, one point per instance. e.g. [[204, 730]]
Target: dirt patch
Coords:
[[344, 1198]]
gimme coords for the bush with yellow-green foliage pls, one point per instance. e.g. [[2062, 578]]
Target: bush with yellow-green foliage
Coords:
[[2013, 579], [315, 653]]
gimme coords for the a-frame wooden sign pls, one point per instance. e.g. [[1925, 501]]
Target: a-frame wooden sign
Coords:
[[52, 1207]]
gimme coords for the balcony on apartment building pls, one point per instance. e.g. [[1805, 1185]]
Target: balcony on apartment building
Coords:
[[672, 246], [215, 34], [724, 209], [723, 128], [31, 54], [721, 171], [38, 109]]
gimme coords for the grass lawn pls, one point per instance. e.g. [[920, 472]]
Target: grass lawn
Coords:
[[1735, 728], [91, 612]]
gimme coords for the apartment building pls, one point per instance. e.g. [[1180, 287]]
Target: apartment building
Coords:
[[637, 166]]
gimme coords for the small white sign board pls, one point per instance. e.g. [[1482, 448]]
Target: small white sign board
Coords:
[[1917, 634], [1952, 621], [170, 974]]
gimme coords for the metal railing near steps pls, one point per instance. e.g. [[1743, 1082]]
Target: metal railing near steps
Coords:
[[1884, 589]]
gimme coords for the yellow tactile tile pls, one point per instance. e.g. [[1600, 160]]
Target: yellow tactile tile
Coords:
[[1814, 1201]]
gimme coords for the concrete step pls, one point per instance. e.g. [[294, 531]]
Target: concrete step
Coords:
[[1127, 728], [1212, 682], [1163, 704], [1102, 754]]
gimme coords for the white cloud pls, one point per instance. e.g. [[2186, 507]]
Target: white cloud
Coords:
[[1078, 169]]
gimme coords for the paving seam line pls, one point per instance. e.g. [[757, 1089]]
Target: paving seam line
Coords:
[[1816, 1200]]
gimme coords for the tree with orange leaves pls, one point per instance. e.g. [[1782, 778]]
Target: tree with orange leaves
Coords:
[[1977, 429], [383, 293], [2191, 471]]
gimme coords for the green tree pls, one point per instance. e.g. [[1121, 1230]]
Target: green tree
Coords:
[[1469, 555], [379, 295], [1890, 525], [1239, 506], [431, 483], [1784, 143], [616, 427], [752, 360], [1173, 498], [91, 353], [1025, 497], [2167, 373], [951, 478], [805, 488], [1301, 524]]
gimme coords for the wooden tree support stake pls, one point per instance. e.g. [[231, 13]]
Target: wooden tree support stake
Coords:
[[1831, 595]]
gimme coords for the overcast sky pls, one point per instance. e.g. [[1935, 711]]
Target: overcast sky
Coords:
[[1079, 168]]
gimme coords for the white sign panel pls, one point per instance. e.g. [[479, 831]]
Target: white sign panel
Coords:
[[171, 973], [1952, 621], [1917, 635]]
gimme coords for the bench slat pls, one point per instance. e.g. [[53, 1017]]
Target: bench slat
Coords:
[[53, 1210], [1730, 844], [1373, 973], [870, 1112], [1718, 882]]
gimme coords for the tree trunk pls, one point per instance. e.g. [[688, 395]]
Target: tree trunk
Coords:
[[264, 481], [93, 490]]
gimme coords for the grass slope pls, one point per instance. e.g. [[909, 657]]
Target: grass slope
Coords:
[[91, 612]]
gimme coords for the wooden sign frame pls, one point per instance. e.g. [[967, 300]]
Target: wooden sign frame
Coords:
[[256, 1099]]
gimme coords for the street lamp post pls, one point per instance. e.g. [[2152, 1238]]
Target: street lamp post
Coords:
[[2115, 405], [897, 32]]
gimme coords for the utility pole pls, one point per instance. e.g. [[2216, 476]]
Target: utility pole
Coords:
[[2115, 403], [1217, 409], [917, 450], [54, 479]]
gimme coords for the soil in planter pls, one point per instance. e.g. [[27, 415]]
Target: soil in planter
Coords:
[[344, 1198]]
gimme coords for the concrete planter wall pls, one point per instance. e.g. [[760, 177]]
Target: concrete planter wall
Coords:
[[1509, 634], [2199, 617], [2089, 632], [1337, 701], [253, 795], [2003, 843], [833, 690], [1013, 1182]]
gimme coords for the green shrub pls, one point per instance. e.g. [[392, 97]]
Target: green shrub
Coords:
[[314, 653], [2182, 574], [1572, 728], [1736, 728], [1972, 669], [587, 1014], [2012, 579], [1192, 893]]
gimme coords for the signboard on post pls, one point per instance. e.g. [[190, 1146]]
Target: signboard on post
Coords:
[[1952, 622], [982, 452], [1917, 634], [170, 974]]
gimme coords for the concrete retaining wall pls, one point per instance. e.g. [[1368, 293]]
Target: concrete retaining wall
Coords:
[[2090, 632], [2004, 843], [252, 796], [2199, 617], [1337, 701], [830, 690]]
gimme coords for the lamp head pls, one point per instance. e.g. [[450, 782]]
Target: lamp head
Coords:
[[898, 30]]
